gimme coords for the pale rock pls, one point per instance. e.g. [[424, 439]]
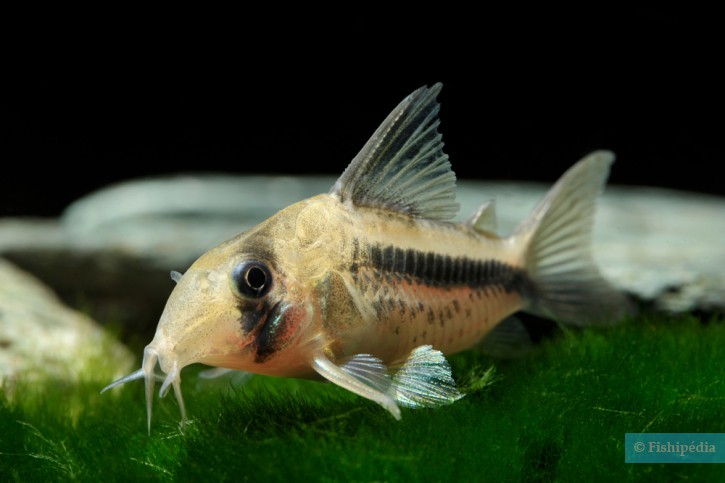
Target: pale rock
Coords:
[[41, 337]]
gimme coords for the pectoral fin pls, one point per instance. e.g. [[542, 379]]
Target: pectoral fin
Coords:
[[425, 380], [364, 375]]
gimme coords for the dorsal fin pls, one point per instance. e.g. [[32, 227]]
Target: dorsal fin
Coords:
[[402, 167], [484, 219]]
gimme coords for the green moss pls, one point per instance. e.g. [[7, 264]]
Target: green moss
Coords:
[[560, 413]]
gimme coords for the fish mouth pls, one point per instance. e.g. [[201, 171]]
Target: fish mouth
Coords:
[[172, 378]]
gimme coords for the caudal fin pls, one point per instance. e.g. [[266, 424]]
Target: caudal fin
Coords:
[[567, 284]]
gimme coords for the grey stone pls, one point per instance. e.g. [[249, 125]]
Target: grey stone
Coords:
[[665, 247], [40, 336], [114, 248]]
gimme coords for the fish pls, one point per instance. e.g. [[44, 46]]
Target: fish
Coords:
[[371, 285]]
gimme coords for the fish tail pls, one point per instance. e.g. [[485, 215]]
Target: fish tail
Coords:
[[566, 283]]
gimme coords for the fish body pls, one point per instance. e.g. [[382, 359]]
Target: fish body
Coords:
[[369, 286]]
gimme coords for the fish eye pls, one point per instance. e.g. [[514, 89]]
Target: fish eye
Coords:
[[252, 278]]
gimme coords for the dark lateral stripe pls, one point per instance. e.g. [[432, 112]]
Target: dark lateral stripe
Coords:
[[440, 270]]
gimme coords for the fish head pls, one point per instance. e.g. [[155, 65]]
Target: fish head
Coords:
[[213, 312], [239, 306]]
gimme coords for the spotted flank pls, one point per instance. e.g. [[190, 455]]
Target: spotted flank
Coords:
[[371, 285]]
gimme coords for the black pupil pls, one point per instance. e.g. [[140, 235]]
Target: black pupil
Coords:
[[252, 278], [256, 279]]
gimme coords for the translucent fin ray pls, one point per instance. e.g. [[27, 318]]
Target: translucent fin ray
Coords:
[[568, 285], [403, 167], [369, 370], [349, 377], [484, 219], [425, 380]]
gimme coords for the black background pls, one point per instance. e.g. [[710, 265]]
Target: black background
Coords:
[[98, 97]]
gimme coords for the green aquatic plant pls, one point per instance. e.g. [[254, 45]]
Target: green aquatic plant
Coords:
[[559, 413]]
